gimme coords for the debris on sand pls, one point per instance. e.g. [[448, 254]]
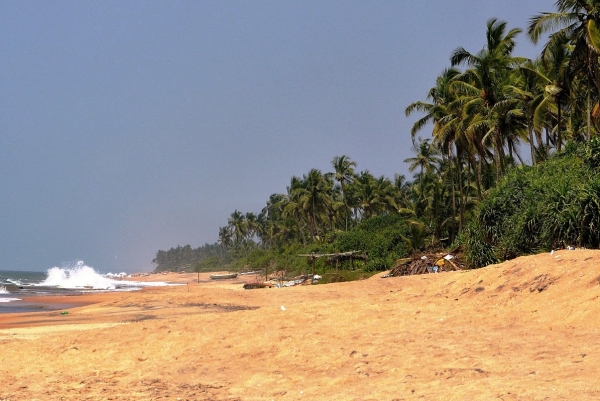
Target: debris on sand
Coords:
[[426, 263], [252, 286]]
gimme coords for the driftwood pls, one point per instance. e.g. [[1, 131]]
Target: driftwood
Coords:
[[251, 286], [424, 264]]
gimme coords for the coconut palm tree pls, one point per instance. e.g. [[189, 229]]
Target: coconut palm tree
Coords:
[[482, 90], [575, 21], [425, 159], [416, 240], [344, 175], [293, 208], [375, 196], [225, 237], [251, 224], [315, 199], [553, 94], [237, 225], [445, 111]]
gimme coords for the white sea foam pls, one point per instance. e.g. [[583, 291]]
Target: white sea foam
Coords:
[[81, 276], [3, 290], [9, 299], [116, 275], [77, 276]]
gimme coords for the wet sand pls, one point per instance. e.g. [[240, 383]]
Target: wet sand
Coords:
[[526, 329]]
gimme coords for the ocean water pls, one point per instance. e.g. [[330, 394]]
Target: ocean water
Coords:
[[18, 289]]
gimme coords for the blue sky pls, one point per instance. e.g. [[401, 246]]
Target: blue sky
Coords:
[[132, 126]]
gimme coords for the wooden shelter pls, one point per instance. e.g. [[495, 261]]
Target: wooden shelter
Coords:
[[337, 258]]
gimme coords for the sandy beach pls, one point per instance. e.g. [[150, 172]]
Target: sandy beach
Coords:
[[526, 329]]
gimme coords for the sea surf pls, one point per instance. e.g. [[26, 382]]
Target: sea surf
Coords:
[[72, 279]]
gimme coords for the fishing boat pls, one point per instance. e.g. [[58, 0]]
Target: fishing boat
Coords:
[[223, 276]]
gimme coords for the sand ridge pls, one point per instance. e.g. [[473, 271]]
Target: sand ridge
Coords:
[[526, 329]]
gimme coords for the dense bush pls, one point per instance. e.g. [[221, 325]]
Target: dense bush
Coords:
[[381, 238], [534, 209], [281, 259]]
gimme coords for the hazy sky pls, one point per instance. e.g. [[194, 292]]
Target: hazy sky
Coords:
[[132, 126]]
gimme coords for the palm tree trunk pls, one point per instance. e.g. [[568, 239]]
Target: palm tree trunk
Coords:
[[497, 161], [532, 146], [345, 206], [468, 185], [452, 184], [519, 157], [558, 128], [462, 194], [589, 115], [422, 191], [479, 179], [540, 143], [501, 154], [301, 233]]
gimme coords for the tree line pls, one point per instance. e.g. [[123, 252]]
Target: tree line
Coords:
[[483, 110]]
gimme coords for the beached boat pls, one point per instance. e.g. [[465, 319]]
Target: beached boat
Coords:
[[248, 273], [223, 276]]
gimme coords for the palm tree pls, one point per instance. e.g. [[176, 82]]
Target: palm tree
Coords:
[[436, 209], [576, 21], [446, 114], [401, 187], [418, 232], [225, 237], [315, 198], [251, 224], [344, 174], [482, 87], [552, 78], [362, 191], [237, 224], [374, 196], [529, 89], [440, 96], [425, 159], [274, 208], [269, 219], [293, 209]]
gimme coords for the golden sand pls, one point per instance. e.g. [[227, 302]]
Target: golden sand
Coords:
[[526, 329]]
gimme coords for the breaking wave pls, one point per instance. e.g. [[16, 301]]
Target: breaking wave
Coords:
[[80, 276], [76, 277], [9, 299], [4, 291]]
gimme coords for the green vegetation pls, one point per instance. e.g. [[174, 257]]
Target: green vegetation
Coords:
[[552, 205], [186, 258], [472, 187], [383, 239]]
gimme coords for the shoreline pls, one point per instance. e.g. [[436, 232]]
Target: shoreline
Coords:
[[44, 309]]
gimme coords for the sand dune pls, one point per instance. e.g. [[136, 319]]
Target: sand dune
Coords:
[[526, 329]]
